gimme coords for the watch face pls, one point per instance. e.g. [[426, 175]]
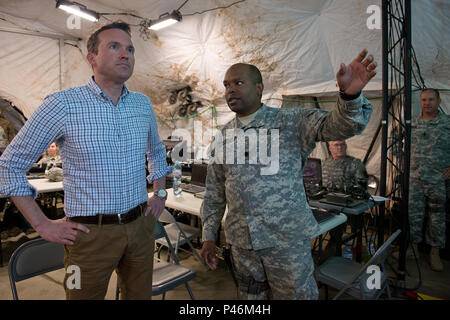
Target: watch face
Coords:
[[161, 193]]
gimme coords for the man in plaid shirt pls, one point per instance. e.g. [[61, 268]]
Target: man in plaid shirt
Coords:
[[104, 132]]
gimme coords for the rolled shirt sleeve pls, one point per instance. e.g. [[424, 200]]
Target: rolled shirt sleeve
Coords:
[[42, 128], [156, 153]]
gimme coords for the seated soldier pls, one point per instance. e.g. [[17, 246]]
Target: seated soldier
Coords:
[[52, 157], [342, 173]]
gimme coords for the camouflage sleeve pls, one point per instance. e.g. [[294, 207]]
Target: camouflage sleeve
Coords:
[[347, 119], [214, 203], [361, 175], [444, 141]]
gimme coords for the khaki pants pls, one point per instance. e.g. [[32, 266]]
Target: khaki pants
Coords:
[[127, 248]]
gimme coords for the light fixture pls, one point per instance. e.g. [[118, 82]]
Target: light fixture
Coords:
[[78, 9], [165, 20]]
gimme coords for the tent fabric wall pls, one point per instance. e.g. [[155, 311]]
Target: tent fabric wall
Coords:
[[297, 45]]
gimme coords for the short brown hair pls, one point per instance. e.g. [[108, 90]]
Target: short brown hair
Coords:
[[436, 92], [92, 44]]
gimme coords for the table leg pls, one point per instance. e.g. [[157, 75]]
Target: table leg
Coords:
[[320, 249], [358, 247]]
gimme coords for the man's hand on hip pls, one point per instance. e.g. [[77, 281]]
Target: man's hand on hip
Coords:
[[155, 205], [61, 231]]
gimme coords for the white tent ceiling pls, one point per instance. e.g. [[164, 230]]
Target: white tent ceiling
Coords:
[[297, 45]]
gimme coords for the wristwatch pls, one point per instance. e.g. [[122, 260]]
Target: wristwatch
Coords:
[[162, 193]]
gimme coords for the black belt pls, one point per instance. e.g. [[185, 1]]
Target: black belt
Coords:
[[122, 218]]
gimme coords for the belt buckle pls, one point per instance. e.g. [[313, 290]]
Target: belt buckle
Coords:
[[119, 216]]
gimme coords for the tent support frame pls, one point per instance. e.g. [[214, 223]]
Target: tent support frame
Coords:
[[396, 37]]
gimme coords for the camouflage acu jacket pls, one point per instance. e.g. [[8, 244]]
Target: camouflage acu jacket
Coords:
[[342, 173], [264, 194], [430, 147]]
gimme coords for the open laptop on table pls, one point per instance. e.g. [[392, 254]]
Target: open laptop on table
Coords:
[[322, 215], [198, 179]]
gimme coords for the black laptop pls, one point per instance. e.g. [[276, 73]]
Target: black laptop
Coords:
[[198, 179]]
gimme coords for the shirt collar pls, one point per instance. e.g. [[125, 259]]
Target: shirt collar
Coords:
[[99, 92]]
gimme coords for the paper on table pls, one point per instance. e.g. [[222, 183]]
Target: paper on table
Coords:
[[379, 199]]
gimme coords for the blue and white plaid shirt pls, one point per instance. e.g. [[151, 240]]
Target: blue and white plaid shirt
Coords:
[[103, 149]]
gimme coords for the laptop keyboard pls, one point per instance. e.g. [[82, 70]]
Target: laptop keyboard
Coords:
[[321, 215], [192, 188]]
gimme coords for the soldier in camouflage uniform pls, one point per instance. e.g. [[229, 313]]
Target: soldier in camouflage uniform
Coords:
[[430, 167], [340, 173], [51, 157], [269, 224]]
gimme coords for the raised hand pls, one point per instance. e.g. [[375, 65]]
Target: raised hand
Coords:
[[354, 77]]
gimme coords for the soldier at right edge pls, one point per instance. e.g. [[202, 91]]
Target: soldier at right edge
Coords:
[[430, 168]]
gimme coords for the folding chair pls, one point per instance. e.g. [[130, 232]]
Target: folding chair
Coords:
[[350, 277], [33, 258], [167, 276], [179, 234]]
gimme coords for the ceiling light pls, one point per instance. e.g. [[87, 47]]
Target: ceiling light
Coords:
[[165, 20], [78, 9]]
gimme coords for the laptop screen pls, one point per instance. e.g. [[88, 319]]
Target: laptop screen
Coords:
[[198, 176], [312, 173]]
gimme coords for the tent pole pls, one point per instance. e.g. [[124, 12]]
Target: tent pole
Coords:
[[407, 137], [384, 119], [397, 67], [40, 34], [61, 64], [372, 143]]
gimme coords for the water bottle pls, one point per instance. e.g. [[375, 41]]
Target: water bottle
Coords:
[[371, 247], [176, 173], [347, 252]]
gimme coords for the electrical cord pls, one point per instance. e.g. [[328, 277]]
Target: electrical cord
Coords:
[[103, 14], [182, 5], [212, 9], [419, 283]]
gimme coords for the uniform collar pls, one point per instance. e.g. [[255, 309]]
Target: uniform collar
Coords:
[[257, 122]]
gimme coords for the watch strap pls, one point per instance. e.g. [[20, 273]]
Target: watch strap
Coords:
[[348, 97]]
